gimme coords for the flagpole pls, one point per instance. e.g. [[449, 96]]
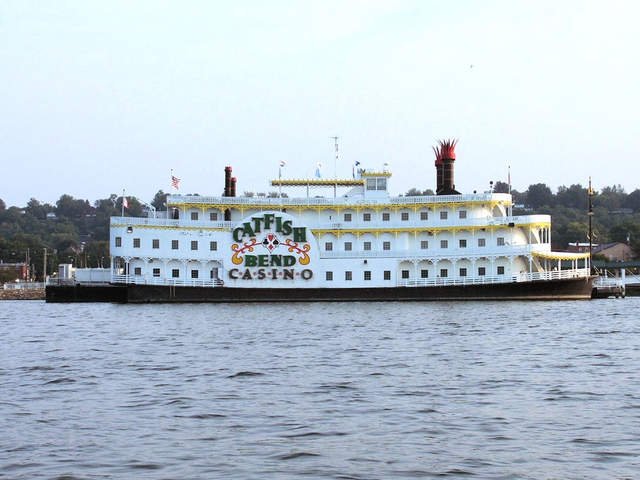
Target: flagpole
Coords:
[[122, 203], [509, 182]]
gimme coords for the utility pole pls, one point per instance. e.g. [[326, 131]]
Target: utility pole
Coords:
[[44, 266], [590, 214]]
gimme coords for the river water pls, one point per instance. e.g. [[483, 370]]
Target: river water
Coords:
[[505, 390]]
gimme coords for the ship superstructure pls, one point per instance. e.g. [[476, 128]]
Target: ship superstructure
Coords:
[[358, 240]]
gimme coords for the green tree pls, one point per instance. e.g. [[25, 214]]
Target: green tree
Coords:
[[539, 195], [159, 201], [574, 196]]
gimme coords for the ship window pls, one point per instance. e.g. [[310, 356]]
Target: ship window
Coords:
[[174, 244], [371, 183], [424, 215], [136, 243], [155, 243], [367, 246], [444, 243], [194, 215], [213, 216], [367, 274], [213, 273], [381, 184], [386, 245], [444, 215], [500, 270], [156, 272], [194, 244], [463, 243], [348, 246], [444, 273], [175, 273], [500, 241], [463, 272], [118, 241], [482, 242], [424, 244], [404, 274], [387, 274], [424, 273], [348, 275], [328, 276], [404, 216], [328, 246], [137, 271], [462, 214], [482, 271], [385, 216], [366, 217], [194, 273], [347, 217], [213, 246]]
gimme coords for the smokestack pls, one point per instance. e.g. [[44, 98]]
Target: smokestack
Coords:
[[232, 189], [445, 157], [227, 181]]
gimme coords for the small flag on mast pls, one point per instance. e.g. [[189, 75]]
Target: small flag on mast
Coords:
[[125, 202], [175, 182]]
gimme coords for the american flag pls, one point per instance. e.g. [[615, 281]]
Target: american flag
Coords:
[[175, 182], [125, 202]]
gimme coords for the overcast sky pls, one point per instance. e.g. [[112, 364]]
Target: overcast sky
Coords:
[[100, 96]]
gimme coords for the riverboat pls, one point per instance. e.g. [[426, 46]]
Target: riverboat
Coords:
[[358, 244]]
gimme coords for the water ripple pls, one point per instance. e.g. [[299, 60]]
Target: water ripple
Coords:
[[346, 391]]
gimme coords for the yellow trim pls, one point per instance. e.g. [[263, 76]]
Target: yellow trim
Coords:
[[561, 255], [425, 229], [171, 227], [299, 182], [341, 206], [375, 174]]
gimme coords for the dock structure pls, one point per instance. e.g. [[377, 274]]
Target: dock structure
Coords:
[[617, 279]]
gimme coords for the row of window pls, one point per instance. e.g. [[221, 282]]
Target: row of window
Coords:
[[424, 244], [366, 217], [175, 244], [175, 272], [405, 274]]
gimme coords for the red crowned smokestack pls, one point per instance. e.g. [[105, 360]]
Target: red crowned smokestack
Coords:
[[445, 156], [227, 181], [232, 191]]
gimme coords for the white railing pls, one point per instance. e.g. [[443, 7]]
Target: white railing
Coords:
[[169, 222], [437, 254], [521, 277], [277, 202], [176, 282], [356, 224]]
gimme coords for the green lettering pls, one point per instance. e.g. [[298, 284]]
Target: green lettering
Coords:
[[263, 260], [250, 261], [299, 234], [256, 224], [286, 227], [237, 234], [276, 260], [268, 220], [248, 231], [288, 260]]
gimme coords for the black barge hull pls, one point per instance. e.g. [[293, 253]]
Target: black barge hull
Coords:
[[565, 289]]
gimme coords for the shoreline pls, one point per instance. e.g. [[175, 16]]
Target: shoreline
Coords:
[[31, 294]]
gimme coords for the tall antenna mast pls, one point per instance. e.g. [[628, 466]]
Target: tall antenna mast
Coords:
[[590, 193], [335, 162]]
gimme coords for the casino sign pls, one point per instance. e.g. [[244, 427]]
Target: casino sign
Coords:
[[269, 246]]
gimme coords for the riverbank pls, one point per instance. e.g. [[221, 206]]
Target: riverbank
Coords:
[[26, 294]]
